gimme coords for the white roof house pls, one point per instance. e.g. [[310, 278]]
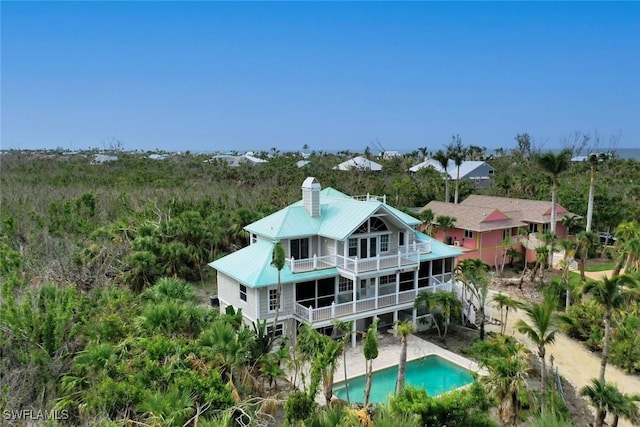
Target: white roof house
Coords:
[[347, 258], [103, 158], [359, 163], [236, 161], [473, 170]]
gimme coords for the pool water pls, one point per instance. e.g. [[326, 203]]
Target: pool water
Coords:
[[433, 373]]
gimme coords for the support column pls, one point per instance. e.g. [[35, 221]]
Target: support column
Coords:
[[353, 335]]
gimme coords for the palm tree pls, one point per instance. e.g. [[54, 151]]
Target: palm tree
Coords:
[[542, 332], [594, 159], [443, 158], [474, 275], [426, 301], [370, 350], [347, 329], [506, 303], [278, 261], [625, 406], [456, 152], [584, 242], [507, 380], [446, 302], [445, 222], [554, 165], [611, 293], [426, 216], [626, 231], [568, 248], [403, 329], [602, 396]]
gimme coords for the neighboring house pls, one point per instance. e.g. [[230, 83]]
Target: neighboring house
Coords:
[[348, 258], [483, 223], [390, 155], [100, 159], [479, 172], [359, 163], [235, 161], [302, 163]]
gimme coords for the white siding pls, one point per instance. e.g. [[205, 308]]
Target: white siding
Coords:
[[328, 247], [229, 294], [286, 306]]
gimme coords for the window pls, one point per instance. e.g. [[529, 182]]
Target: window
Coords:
[[345, 285], [546, 227], [468, 234], [299, 248], [533, 227], [384, 243], [273, 302], [383, 280], [506, 234], [243, 293], [254, 238], [279, 329], [377, 224], [401, 238], [353, 247]]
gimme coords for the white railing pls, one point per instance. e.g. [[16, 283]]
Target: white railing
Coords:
[[333, 311], [404, 256], [367, 197]]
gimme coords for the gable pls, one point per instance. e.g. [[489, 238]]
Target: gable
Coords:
[[495, 216]]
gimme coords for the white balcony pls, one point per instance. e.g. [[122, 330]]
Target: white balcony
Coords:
[[334, 311], [403, 256]]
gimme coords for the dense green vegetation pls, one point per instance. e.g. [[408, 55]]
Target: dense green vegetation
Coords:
[[97, 318]]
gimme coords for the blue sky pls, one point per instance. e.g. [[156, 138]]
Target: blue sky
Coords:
[[219, 76]]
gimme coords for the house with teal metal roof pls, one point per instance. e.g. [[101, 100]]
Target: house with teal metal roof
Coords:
[[347, 258]]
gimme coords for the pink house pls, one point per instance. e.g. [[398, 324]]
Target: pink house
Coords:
[[485, 226]]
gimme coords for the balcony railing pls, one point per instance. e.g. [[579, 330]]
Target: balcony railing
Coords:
[[314, 315], [405, 256]]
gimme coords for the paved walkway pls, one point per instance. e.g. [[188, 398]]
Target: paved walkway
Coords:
[[574, 361]]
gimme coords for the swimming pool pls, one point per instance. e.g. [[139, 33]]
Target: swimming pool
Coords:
[[433, 373]]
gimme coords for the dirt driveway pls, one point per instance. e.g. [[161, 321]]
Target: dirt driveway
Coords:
[[574, 361]]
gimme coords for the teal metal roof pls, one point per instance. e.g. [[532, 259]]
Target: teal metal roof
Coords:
[[340, 215], [438, 249], [251, 266]]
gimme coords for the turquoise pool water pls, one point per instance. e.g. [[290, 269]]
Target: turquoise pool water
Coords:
[[433, 373]]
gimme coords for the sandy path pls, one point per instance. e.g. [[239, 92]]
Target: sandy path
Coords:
[[574, 361]]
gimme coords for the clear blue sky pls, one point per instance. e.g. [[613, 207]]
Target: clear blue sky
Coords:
[[218, 76]]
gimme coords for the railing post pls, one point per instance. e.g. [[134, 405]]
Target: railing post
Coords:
[[293, 265], [355, 265], [399, 260], [378, 262], [414, 245], [333, 309], [310, 314], [315, 261]]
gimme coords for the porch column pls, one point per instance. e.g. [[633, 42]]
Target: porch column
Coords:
[[353, 336], [377, 284]]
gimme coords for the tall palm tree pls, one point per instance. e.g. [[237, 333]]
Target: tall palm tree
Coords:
[[443, 158], [278, 261], [506, 303], [475, 277], [457, 153], [403, 329], [370, 350], [585, 240], [568, 248], [610, 293], [542, 332], [346, 327], [594, 159], [554, 165], [445, 222]]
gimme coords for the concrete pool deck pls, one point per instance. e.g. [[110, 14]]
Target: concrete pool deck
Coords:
[[389, 355]]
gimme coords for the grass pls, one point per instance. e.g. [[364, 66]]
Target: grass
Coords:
[[601, 267]]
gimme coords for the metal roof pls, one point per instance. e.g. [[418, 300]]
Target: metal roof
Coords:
[[339, 216], [251, 266]]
